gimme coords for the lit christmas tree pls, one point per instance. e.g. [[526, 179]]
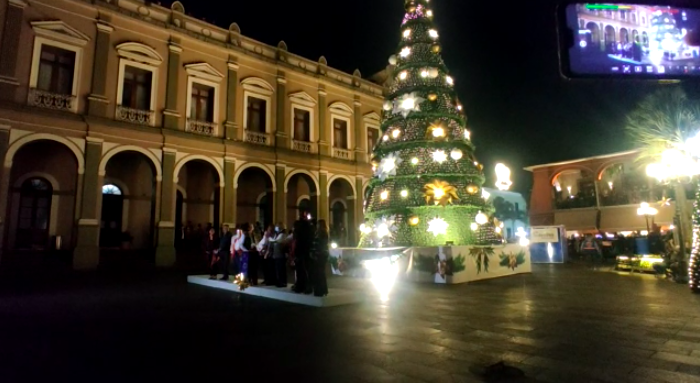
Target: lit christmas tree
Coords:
[[694, 265], [427, 185], [667, 37]]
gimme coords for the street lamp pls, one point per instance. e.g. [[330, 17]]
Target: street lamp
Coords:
[[647, 211]]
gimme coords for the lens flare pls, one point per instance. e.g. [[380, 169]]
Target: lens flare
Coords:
[[383, 274]]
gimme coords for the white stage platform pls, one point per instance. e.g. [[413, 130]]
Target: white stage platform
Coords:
[[336, 297]]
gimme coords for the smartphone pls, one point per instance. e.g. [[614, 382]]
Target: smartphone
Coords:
[[626, 40]]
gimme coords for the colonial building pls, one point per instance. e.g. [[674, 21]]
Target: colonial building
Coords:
[[120, 120], [601, 193]]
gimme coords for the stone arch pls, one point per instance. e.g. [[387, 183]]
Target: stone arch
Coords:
[[131, 148], [303, 197], [342, 202], [72, 146], [193, 157], [257, 82], [341, 176], [121, 185], [262, 167], [55, 185], [561, 170], [300, 171]]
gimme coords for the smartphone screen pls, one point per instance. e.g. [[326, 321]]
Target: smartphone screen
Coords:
[[628, 40]]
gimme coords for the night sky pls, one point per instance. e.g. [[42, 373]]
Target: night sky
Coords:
[[504, 59]]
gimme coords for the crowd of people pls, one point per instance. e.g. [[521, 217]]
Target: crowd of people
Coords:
[[251, 251]]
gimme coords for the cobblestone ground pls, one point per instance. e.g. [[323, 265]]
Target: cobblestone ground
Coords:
[[561, 324]]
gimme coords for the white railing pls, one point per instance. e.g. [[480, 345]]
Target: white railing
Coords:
[[201, 127], [343, 154], [304, 146], [135, 116], [257, 138], [44, 99]]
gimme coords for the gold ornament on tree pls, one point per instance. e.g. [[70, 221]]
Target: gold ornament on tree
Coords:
[[472, 189], [440, 193], [436, 131]]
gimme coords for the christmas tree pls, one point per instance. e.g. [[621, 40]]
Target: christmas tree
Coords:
[[667, 38], [694, 266], [426, 190]]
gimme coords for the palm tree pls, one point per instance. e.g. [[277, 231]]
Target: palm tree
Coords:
[[663, 120], [666, 120]]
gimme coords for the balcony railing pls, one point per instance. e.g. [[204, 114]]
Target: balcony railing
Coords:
[[257, 138], [201, 127], [135, 116], [304, 146], [48, 100], [343, 154]]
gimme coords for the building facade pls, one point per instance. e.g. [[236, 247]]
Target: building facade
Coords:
[[511, 209], [121, 121], [600, 194], [608, 28]]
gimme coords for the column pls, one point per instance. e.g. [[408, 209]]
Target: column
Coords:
[[352, 222], [171, 117], [359, 133], [4, 183], [229, 195], [14, 17], [87, 251], [97, 100], [281, 134], [323, 207], [230, 126], [324, 140], [165, 242], [280, 195], [359, 206]]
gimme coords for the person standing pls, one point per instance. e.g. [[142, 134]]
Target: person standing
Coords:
[[277, 249], [224, 251], [590, 249], [303, 237], [235, 251], [265, 250], [253, 255], [211, 248], [319, 259], [245, 244]]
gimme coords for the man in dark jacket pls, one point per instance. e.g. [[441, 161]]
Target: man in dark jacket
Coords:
[[224, 252], [303, 239]]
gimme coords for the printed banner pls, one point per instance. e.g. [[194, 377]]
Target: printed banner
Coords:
[[544, 235]]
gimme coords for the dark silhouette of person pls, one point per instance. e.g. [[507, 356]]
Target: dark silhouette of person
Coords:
[[319, 259], [303, 239]]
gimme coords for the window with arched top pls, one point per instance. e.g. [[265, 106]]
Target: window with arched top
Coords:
[[34, 214], [111, 190], [36, 184]]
